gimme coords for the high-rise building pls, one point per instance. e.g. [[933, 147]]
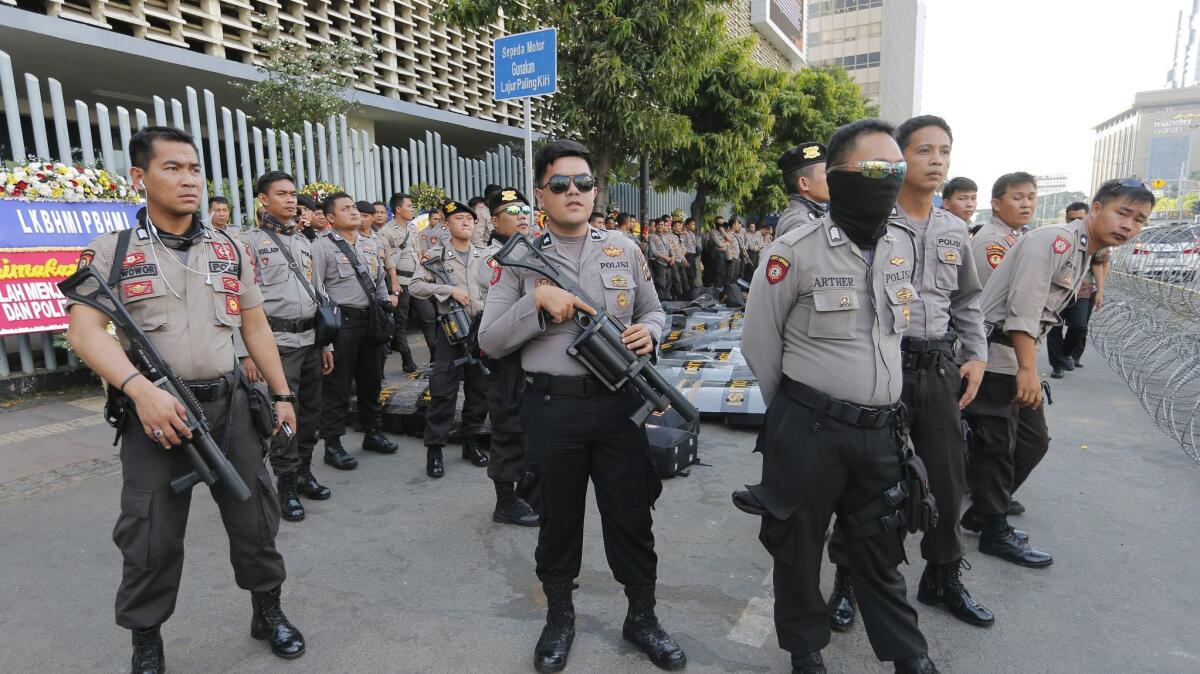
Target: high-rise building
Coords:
[[880, 43], [1156, 138], [779, 26]]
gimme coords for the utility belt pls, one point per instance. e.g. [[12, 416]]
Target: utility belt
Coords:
[[356, 313], [285, 325], [581, 386], [920, 355], [862, 416], [118, 406], [996, 334]]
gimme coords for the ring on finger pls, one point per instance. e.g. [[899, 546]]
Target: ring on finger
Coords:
[[158, 433]]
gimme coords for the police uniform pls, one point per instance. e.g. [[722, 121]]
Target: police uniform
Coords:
[[481, 233], [691, 252], [466, 274], [576, 428], [402, 239], [679, 284], [800, 208], [733, 256], [716, 255], [190, 317], [664, 272], [822, 335], [944, 311], [990, 244], [353, 358], [1040, 276], [290, 312]]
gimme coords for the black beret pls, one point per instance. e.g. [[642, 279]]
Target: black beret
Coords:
[[800, 156], [503, 197], [365, 207], [451, 207]]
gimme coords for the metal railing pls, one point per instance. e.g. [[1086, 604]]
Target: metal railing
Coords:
[[1149, 327]]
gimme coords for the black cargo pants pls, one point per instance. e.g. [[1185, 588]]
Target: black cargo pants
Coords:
[[302, 368], [1007, 443], [505, 388], [443, 394]]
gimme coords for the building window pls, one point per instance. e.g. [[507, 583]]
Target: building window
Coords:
[[853, 62], [827, 7]]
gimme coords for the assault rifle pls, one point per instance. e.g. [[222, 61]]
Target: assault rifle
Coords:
[[456, 324]]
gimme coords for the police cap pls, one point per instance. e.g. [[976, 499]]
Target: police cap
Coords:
[[800, 156], [503, 197], [451, 207]]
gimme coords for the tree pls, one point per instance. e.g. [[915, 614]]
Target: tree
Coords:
[[624, 67], [812, 104], [731, 119], [302, 83]]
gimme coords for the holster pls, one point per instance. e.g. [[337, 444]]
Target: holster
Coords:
[[908, 503], [262, 410], [117, 407]]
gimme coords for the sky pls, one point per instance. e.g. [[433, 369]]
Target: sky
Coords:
[[1022, 83]]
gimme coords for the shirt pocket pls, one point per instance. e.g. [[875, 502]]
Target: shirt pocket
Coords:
[[275, 273], [833, 314], [949, 259], [344, 268], [899, 297], [143, 298], [619, 288], [227, 301]]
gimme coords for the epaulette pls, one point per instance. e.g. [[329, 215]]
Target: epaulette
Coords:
[[796, 233]]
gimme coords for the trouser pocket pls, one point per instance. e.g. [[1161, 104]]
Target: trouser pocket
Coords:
[[131, 534]]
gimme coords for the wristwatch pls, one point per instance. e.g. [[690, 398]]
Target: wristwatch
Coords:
[[283, 397]]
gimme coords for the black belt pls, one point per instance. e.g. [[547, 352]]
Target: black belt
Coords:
[[919, 355], [996, 334], [209, 390], [284, 325], [583, 386], [863, 416], [355, 312]]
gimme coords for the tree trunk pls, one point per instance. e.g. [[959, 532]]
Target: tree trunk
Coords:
[[644, 190], [603, 164], [700, 205]]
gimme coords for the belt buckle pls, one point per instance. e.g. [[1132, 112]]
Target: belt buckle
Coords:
[[868, 416]]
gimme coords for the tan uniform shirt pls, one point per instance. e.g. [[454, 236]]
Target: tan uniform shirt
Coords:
[[432, 237], [676, 244], [717, 239], [990, 244], [283, 295], [691, 243], [467, 277], [819, 313], [799, 212], [382, 248], [733, 246], [336, 271], [396, 236], [611, 271], [1038, 279], [948, 289], [189, 316], [660, 248], [482, 231]]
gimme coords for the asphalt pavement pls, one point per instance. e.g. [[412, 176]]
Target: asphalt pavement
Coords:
[[399, 573]]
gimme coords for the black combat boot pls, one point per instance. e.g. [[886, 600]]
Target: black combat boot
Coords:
[[307, 485], [641, 629], [271, 624], [942, 584], [917, 665], [972, 521], [998, 540], [809, 663], [841, 602], [147, 652], [512, 510], [434, 467], [554, 645], [337, 457], [407, 361], [376, 441], [289, 501], [471, 452], [1015, 507]]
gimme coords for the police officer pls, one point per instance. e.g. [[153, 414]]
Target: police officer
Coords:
[[510, 217], [734, 252], [400, 238], [434, 234], [482, 231], [717, 243], [679, 250], [290, 309], [691, 251], [803, 170], [1038, 278], [353, 357], [465, 265], [189, 287], [662, 261], [945, 310], [822, 334], [575, 427]]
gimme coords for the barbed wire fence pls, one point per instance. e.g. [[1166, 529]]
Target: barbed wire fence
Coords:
[[1149, 327]]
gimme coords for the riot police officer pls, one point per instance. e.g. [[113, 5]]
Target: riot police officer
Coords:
[[189, 288], [822, 334], [290, 304], [803, 170], [510, 214], [575, 427], [465, 264], [336, 257]]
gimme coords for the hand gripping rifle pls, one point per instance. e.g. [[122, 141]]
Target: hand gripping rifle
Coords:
[[457, 325], [599, 347], [209, 464]]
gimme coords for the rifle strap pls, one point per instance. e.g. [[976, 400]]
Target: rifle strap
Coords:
[[114, 274], [287, 254], [360, 270]]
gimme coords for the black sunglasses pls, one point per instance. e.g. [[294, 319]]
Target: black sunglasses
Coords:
[[559, 184], [1136, 184]]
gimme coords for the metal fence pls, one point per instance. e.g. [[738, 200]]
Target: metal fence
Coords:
[[1149, 327], [234, 152]]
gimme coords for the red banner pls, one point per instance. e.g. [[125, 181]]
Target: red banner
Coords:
[[29, 296]]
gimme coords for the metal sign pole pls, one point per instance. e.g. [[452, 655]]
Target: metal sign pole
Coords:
[[529, 150]]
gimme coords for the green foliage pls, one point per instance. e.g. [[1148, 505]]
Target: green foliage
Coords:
[[625, 67], [731, 118], [302, 83], [427, 197]]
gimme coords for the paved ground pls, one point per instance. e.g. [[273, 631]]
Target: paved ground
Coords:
[[402, 574]]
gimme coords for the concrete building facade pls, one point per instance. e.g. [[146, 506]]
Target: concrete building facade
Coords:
[[779, 27], [1156, 138]]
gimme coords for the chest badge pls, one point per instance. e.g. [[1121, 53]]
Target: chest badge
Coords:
[[619, 282], [611, 250], [134, 259], [231, 284], [138, 288], [835, 234], [223, 251], [497, 272], [1060, 245], [232, 306], [622, 300], [844, 301], [951, 256], [896, 261], [904, 294], [906, 311]]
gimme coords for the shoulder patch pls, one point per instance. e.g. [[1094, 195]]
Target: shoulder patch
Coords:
[[596, 235], [995, 254], [777, 268], [86, 257], [497, 272], [1060, 245], [1011, 239]]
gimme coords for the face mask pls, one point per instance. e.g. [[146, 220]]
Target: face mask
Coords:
[[861, 205], [286, 229]]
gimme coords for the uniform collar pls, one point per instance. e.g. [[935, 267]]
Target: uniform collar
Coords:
[[812, 206], [833, 233], [592, 234], [1081, 231]]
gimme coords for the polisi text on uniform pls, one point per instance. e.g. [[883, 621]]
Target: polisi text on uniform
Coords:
[[893, 276], [943, 241]]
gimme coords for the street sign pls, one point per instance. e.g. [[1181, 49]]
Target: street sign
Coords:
[[1158, 194], [526, 64], [1158, 183]]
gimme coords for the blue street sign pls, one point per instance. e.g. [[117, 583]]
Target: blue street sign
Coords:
[[526, 64]]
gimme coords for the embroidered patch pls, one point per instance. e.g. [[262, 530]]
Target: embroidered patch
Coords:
[[1067, 280], [264, 261], [619, 282], [496, 273], [342, 259], [223, 251], [86, 257], [491, 263], [231, 284], [232, 306], [906, 311], [611, 250], [904, 294], [622, 300], [777, 268], [133, 259], [1060, 245], [950, 256], [138, 288], [835, 234], [995, 253], [1010, 238], [149, 269], [646, 271], [542, 282], [896, 261], [812, 152]]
